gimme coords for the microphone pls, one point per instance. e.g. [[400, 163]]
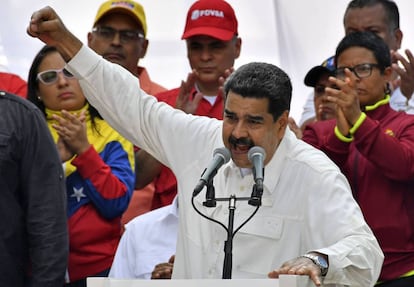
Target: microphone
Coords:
[[256, 156], [220, 157]]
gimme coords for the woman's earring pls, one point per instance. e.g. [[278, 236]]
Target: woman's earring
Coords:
[[388, 89]]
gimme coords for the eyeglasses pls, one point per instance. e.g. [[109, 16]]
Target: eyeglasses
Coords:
[[49, 77], [361, 70], [125, 36]]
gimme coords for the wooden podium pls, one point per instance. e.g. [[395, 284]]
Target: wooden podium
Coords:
[[283, 281]]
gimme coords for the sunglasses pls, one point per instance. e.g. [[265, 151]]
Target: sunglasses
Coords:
[[49, 77]]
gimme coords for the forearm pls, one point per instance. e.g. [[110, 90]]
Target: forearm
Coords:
[[109, 183], [70, 47], [147, 169]]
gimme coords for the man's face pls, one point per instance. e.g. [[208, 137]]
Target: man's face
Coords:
[[373, 19], [248, 123], [325, 110], [124, 53], [370, 89], [211, 57]]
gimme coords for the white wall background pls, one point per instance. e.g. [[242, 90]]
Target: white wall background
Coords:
[[293, 34]]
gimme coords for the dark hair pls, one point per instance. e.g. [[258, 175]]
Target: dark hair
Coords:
[[33, 83], [261, 80], [391, 10], [369, 41]]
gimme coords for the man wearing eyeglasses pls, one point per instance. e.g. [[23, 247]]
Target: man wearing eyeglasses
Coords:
[[374, 147], [119, 35]]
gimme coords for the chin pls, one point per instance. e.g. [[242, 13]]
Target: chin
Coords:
[[242, 164]]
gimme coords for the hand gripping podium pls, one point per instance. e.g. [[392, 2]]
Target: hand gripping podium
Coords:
[[283, 281]]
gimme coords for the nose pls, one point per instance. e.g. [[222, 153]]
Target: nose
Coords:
[[62, 80], [240, 130], [116, 40], [206, 54], [323, 98]]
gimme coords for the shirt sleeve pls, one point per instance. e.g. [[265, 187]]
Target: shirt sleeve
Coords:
[[308, 109], [110, 182], [398, 102], [123, 265]]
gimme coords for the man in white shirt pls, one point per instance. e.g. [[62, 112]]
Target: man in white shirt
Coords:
[[148, 240], [308, 222]]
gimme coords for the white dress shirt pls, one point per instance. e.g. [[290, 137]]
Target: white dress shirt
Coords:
[[149, 239], [307, 201]]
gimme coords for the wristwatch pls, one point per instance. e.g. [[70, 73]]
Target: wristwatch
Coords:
[[319, 261]]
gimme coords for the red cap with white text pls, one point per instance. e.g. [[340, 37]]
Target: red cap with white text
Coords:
[[214, 18]]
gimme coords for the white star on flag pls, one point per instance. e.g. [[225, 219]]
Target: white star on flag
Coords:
[[78, 193]]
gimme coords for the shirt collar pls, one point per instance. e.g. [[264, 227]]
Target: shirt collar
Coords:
[[384, 101]]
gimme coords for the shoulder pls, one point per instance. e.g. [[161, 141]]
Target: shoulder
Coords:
[[10, 103], [315, 132], [304, 155], [168, 96], [403, 119], [11, 77], [322, 125], [149, 218]]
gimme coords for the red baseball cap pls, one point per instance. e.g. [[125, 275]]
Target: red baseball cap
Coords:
[[214, 18]]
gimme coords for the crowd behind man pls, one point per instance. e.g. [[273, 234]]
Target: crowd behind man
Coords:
[[256, 113], [119, 34]]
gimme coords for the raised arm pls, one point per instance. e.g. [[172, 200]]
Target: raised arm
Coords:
[[46, 25]]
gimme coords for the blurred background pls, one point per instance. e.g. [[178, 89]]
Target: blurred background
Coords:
[[295, 35]]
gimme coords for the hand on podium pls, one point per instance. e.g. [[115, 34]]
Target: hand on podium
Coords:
[[301, 266], [163, 270]]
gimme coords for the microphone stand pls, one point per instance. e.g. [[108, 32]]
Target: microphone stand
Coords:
[[254, 200], [256, 197], [228, 244], [210, 195]]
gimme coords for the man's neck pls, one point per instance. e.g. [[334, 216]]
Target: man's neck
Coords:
[[207, 90]]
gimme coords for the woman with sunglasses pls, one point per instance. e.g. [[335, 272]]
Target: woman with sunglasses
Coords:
[[98, 165]]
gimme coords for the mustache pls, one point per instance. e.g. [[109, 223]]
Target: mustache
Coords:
[[240, 141], [118, 51]]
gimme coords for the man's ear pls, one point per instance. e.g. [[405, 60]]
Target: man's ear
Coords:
[[388, 74], [144, 48], [284, 119], [398, 34], [89, 37]]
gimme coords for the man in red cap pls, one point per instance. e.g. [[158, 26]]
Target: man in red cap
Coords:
[[213, 46]]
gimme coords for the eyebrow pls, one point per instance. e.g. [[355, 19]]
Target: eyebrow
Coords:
[[226, 111], [255, 118], [250, 117]]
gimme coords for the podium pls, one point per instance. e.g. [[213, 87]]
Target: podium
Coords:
[[283, 281]]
